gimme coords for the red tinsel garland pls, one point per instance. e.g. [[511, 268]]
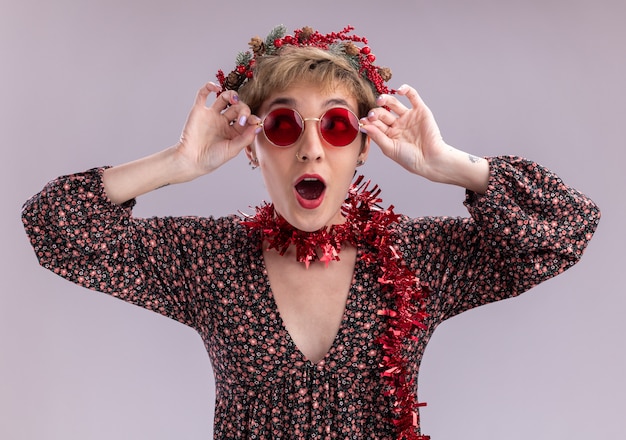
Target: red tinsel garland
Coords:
[[365, 223]]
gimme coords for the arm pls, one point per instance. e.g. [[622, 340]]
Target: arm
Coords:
[[411, 137], [81, 226], [159, 264], [208, 140], [527, 227]]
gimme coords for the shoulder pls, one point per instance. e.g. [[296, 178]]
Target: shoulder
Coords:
[[432, 227], [216, 233], [224, 228]]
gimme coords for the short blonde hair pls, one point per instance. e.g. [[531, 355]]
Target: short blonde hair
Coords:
[[275, 73]]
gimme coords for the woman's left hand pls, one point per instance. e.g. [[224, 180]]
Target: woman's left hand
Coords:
[[408, 135], [411, 137]]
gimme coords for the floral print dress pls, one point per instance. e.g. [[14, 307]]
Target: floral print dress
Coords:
[[209, 274]]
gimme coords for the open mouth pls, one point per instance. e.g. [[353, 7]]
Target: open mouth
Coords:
[[310, 188]]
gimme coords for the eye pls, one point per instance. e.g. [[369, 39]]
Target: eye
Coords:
[[339, 126], [282, 127], [282, 120], [336, 122]]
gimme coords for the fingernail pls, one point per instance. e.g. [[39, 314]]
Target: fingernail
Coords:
[[258, 129], [235, 98], [371, 114], [242, 120], [381, 99], [362, 129]]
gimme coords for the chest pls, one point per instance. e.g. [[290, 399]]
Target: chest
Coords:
[[311, 300], [251, 340], [258, 320]]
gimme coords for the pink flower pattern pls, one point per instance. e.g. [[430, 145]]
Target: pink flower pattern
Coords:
[[208, 274]]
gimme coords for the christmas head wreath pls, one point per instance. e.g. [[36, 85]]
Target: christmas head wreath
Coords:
[[340, 43]]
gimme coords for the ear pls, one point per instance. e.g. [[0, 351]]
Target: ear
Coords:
[[250, 153], [365, 149]]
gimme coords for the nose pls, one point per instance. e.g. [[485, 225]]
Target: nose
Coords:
[[310, 144]]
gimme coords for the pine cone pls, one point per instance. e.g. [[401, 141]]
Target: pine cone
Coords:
[[385, 73], [257, 45], [350, 48], [234, 81], [306, 33]]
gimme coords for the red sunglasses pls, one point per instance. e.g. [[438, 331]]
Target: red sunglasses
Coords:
[[338, 126]]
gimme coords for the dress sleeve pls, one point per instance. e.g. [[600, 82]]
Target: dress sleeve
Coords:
[[79, 234], [528, 227]]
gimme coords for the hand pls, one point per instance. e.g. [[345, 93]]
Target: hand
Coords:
[[409, 136], [215, 134]]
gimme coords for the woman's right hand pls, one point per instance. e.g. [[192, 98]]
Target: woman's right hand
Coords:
[[215, 134], [212, 135]]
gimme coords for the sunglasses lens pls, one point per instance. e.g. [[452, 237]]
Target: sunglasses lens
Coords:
[[339, 126], [282, 127]]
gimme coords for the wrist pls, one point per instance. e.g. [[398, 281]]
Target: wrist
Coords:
[[456, 167], [132, 179], [178, 166]]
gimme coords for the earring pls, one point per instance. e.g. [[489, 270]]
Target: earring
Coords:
[[360, 162], [254, 163]]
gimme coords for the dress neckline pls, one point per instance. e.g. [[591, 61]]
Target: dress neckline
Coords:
[[295, 353]]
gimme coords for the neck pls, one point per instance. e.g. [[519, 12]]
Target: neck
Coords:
[[364, 223]]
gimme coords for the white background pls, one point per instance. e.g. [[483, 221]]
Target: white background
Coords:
[[85, 83]]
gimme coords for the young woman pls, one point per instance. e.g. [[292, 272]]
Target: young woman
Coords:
[[316, 310]]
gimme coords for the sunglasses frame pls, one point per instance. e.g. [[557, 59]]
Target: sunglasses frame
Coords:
[[319, 127]]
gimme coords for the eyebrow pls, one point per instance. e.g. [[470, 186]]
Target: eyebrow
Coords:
[[292, 102]]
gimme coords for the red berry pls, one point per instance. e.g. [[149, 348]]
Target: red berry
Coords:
[[249, 74], [371, 57], [278, 42], [365, 50], [241, 69]]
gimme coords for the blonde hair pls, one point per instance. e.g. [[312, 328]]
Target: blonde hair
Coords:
[[308, 65]]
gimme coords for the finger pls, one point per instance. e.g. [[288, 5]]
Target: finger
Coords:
[[205, 91], [245, 137], [376, 131], [239, 114], [414, 98], [392, 103], [381, 117], [225, 100]]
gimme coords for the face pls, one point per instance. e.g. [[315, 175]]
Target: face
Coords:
[[308, 181]]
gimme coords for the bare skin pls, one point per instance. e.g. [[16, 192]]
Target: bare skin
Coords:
[[311, 301]]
